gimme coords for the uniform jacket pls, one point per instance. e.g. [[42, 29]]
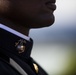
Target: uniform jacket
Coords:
[[15, 56]]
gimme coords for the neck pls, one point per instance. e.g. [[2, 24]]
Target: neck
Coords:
[[15, 26], [20, 29]]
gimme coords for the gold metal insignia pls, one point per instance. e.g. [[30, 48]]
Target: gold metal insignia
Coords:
[[20, 45], [35, 67]]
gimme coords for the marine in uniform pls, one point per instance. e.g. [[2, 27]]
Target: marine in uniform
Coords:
[[15, 51], [17, 17]]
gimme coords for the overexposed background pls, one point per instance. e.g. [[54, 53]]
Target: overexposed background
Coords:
[[55, 46]]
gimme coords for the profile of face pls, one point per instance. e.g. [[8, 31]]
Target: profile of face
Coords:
[[32, 13]]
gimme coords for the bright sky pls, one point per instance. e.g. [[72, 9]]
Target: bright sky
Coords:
[[57, 58], [66, 13]]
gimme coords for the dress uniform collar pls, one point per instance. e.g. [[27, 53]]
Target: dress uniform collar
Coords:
[[14, 32], [15, 44]]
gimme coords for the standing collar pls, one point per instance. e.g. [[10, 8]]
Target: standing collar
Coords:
[[14, 32], [14, 44]]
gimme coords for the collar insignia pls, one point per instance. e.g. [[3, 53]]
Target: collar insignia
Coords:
[[20, 45]]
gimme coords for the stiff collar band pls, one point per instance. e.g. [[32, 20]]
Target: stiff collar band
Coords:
[[14, 32], [15, 44]]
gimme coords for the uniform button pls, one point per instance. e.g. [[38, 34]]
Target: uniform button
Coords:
[[35, 67]]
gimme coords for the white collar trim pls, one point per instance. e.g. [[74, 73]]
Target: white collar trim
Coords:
[[14, 32]]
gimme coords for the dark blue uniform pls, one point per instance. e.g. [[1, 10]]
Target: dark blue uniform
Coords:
[[15, 56]]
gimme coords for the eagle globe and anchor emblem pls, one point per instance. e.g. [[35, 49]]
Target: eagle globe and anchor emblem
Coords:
[[20, 45]]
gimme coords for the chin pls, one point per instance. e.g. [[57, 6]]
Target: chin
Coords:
[[44, 23], [41, 25], [39, 21]]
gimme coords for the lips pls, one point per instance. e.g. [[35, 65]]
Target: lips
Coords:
[[51, 5]]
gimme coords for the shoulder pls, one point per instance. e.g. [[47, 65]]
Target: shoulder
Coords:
[[6, 68]]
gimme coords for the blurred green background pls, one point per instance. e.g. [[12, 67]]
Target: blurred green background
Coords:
[[55, 46]]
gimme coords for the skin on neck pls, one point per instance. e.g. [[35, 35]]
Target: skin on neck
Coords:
[[15, 26], [20, 29], [4, 9]]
